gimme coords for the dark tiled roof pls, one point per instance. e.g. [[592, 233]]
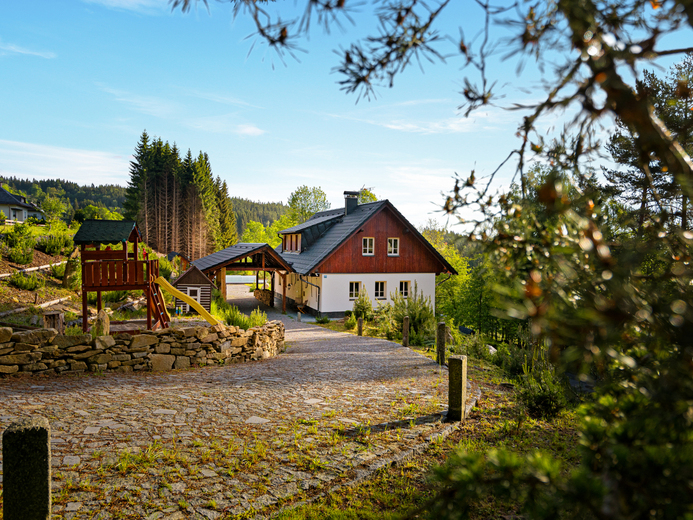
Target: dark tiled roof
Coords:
[[193, 276], [340, 230], [7, 198], [105, 231], [236, 252], [333, 237]]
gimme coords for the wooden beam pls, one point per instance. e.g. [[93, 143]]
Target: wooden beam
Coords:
[[283, 292], [222, 285], [272, 291]]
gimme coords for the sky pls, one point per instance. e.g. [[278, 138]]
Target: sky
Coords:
[[82, 79]]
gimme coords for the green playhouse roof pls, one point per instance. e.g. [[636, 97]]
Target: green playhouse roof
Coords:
[[105, 231]]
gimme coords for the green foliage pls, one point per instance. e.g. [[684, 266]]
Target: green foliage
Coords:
[[263, 212], [322, 320], [385, 324], [27, 282], [96, 213], [108, 296], [58, 270], [422, 319], [305, 201], [3, 217], [541, 393], [366, 196], [55, 244], [20, 244], [350, 322], [230, 314], [255, 232], [165, 267], [363, 307]]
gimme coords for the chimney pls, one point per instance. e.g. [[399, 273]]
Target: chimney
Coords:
[[351, 201]]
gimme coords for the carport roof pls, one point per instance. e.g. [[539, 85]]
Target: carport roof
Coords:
[[237, 252]]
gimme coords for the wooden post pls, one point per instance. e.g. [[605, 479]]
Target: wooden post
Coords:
[[440, 344], [405, 331], [284, 293], [148, 295], [457, 388], [222, 285], [26, 453], [360, 327], [54, 320], [257, 279], [85, 322], [272, 289], [98, 301]]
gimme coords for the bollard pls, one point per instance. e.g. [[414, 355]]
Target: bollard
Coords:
[[440, 344], [360, 327], [27, 470], [405, 331], [457, 388], [298, 316]]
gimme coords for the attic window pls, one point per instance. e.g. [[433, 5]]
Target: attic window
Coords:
[[393, 247], [292, 243]]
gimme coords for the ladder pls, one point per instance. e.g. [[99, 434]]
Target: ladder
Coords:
[[159, 311]]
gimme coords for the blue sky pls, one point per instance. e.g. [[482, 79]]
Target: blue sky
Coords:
[[83, 78]]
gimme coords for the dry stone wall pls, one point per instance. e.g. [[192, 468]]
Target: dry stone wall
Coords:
[[43, 351], [264, 296]]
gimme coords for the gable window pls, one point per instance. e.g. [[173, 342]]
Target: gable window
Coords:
[[404, 289], [292, 243], [367, 246], [354, 290], [379, 290], [393, 247]]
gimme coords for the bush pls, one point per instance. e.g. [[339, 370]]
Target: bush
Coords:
[[350, 323], [384, 322], [230, 314], [59, 244], [363, 308], [322, 319], [542, 394], [58, 270], [347, 313], [165, 268], [472, 345], [3, 217], [29, 282], [422, 319], [20, 244], [107, 296]]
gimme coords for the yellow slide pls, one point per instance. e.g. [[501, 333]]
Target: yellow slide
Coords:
[[187, 299]]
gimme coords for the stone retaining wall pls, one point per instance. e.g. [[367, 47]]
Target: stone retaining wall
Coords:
[[43, 351], [263, 295]]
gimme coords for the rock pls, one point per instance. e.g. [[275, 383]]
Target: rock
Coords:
[[102, 324], [100, 359], [18, 359], [143, 340], [122, 357], [182, 362], [239, 342], [114, 364], [8, 369], [51, 351], [71, 341], [209, 338], [77, 349], [87, 354], [124, 369], [163, 348], [104, 342], [162, 362], [5, 334], [78, 365], [34, 337], [25, 347], [33, 367], [6, 350]]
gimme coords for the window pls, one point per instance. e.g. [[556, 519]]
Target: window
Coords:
[[367, 248], [404, 289], [393, 247], [292, 243], [379, 290], [354, 290]]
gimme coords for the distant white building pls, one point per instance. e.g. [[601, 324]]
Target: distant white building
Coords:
[[16, 207]]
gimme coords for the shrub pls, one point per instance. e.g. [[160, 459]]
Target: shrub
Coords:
[[58, 244], [422, 319], [350, 323], [541, 393], [322, 319], [384, 322], [3, 217], [230, 314], [29, 282], [75, 330], [363, 308], [20, 244], [58, 270], [347, 313], [165, 268], [472, 345], [73, 275]]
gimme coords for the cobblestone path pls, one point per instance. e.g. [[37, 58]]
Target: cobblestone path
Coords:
[[216, 442]]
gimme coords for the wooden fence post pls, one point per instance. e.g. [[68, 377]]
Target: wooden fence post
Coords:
[[457, 388], [26, 454], [360, 327], [440, 344], [405, 331]]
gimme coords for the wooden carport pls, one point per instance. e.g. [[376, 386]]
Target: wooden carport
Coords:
[[245, 257]]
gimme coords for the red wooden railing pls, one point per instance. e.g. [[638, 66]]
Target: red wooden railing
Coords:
[[104, 274]]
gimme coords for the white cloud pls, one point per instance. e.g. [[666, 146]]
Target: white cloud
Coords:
[[223, 124], [28, 160], [9, 48], [149, 105], [249, 130], [220, 98]]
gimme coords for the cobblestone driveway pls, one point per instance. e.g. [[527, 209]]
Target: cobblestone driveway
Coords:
[[218, 441]]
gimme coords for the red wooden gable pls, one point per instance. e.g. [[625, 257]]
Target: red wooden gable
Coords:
[[415, 254]]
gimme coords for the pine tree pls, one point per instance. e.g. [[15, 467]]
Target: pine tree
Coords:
[[138, 179], [227, 218]]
